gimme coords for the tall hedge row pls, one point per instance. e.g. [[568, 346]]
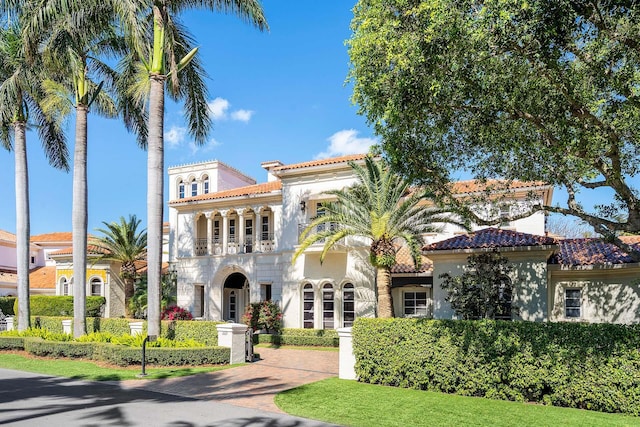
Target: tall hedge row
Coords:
[[59, 305], [587, 366], [300, 337]]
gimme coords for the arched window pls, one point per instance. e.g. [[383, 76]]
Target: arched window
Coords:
[[96, 286], [194, 187], [348, 305], [328, 307], [308, 303], [181, 189], [205, 185], [64, 286]]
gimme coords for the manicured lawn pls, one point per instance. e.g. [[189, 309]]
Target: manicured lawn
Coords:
[[356, 404], [87, 370]]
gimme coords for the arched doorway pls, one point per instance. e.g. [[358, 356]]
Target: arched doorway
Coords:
[[235, 296]]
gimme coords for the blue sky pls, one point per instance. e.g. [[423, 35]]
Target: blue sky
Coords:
[[279, 95]]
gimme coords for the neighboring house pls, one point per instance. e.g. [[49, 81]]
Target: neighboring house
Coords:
[[557, 280], [232, 242]]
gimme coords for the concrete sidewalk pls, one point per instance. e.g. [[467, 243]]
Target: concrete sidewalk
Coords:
[[253, 385]]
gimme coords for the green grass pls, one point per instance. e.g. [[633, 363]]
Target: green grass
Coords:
[[355, 404], [91, 371]]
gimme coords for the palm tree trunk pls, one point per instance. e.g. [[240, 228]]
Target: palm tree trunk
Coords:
[[22, 224], [385, 303], [79, 223], [155, 201]]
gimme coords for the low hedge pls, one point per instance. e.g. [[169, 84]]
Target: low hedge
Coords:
[[300, 337], [586, 366], [11, 343], [123, 356], [58, 305], [40, 347], [6, 305], [113, 325], [203, 331]]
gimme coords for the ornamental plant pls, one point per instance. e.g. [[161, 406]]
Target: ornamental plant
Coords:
[[263, 315], [176, 313]]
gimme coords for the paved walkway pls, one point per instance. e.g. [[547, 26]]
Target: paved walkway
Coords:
[[253, 385]]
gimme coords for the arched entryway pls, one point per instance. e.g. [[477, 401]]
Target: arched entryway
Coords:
[[235, 296]]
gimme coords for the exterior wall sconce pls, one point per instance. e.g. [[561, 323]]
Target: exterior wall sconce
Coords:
[[303, 206]]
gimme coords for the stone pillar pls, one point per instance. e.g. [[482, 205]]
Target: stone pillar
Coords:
[[347, 369], [66, 326], [257, 229], [225, 231], [136, 327], [233, 336], [9, 323], [210, 233]]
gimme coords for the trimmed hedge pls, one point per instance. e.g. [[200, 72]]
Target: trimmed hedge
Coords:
[[6, 305], [123, 356], [300, 337], [11, 343], [586, 366], [72, 349], [203, 331], [114, 326], [50, 305]]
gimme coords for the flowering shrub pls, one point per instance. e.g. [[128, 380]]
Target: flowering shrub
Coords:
[[263, 315], [176, 313]]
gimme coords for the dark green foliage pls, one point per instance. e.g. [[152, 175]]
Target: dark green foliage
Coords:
[[49, 305], [40, 347], [301, 337], [263, 315], [6, 305], [586, 366], [11, 343], [123, 356], [483, 291]]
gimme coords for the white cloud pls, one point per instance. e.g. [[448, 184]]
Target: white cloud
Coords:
[[218, 108], [346, 142], [175, 136], [242, 115], [209, 146]]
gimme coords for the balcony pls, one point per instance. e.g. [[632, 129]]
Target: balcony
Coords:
[[319, 229]]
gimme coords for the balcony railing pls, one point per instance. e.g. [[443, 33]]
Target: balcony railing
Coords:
[[265, 244], [318, 229]]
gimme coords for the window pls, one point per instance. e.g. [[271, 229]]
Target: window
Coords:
[[265, 292], [415, 304], [504, 299], [232, 305], [205, 185], [572, 303], [307, 301], [194, 188], [328, 306], [64, 286], [232, 230], [505, 212], [348, 305], [216, 231], [33, 260], [96, 286], [248, 235], [265, 228], [181, 190]]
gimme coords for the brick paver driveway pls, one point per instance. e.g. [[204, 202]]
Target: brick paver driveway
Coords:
[[255, 384]]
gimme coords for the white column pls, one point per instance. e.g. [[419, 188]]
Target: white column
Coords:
[[233, 335], [209, 233], [240, 231], [225, 231], [257, 229], [347, 365]]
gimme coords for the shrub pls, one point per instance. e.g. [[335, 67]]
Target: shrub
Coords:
[[202, 331], [123, 356], [10, 342], [6, 305], [40, 347], [115, 326], [301, 337], [587, 366], [263, 315], [49, 305], [176, 313]]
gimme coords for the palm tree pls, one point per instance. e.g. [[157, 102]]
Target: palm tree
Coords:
[[20, 103], [173, 58], [76, 46], [123, 243], [381, 208]]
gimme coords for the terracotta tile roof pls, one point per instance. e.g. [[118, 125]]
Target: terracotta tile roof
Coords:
[[91, 249], [490, 238], [630, 240], [404, 263], [264, 188], [590, 251], [475, 186], [141, 267], [58, 237], [6, 236], [43, 278], [321, 162], [8, 276]]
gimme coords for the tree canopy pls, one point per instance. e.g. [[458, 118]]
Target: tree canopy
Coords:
[[531, 90]]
